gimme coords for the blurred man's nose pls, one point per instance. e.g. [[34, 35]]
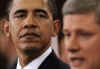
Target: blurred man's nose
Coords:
[[30, 21], [73, 45]]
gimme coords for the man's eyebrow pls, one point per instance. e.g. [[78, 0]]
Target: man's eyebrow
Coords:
[[20, 11], [41, 10]]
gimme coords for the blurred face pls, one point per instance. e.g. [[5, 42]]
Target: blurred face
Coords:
[[30, 26], [82, 40], [5, 43], [62, 49]]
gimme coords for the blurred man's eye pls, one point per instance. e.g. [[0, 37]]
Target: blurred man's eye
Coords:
[[85, 34], [67, 34]]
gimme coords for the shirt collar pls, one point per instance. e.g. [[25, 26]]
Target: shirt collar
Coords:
[[36, 62]]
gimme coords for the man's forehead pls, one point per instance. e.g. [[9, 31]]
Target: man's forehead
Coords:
[[18, 4], [34, 1], [46, 1]]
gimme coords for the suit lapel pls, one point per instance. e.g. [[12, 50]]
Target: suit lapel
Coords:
[[48, 62]]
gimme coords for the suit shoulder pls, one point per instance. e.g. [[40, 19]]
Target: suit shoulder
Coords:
[[52, 62]]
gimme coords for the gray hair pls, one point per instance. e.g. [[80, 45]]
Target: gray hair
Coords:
[[81, 7]]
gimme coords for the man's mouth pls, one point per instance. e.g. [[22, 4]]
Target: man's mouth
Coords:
[[29, 37], [76, 61], [29, 34]]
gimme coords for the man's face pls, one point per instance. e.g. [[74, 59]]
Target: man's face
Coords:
[[31, 25], [82, 41]]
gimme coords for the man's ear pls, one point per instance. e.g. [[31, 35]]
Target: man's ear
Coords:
[[56, 27], [5, 24]]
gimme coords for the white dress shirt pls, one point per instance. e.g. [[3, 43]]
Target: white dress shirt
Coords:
[[36, 62]]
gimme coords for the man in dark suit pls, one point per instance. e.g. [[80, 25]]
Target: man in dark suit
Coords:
[[31, 27]]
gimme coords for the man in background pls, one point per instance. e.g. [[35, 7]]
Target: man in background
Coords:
[[81, 29], [7, 51], [59, 47]]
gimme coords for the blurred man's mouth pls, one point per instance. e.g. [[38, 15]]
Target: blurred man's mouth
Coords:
[[76, 61]]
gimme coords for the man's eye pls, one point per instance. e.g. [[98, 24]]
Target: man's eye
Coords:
[[20, 15], [67, 34], [42, 15], [86, 34]]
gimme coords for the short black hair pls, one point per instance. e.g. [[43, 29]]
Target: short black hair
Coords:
[[56, 7], [3, 5], [51, 4]]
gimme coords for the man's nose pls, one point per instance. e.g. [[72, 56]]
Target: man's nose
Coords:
[[30, 22], [73, 46]]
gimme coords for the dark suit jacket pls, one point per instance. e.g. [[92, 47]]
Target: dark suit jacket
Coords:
[[13, 65], [52, 62]]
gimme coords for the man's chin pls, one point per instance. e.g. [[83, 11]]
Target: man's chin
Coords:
[[30, 46], [30, 51]]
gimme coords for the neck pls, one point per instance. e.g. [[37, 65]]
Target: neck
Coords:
[[26, 58]]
